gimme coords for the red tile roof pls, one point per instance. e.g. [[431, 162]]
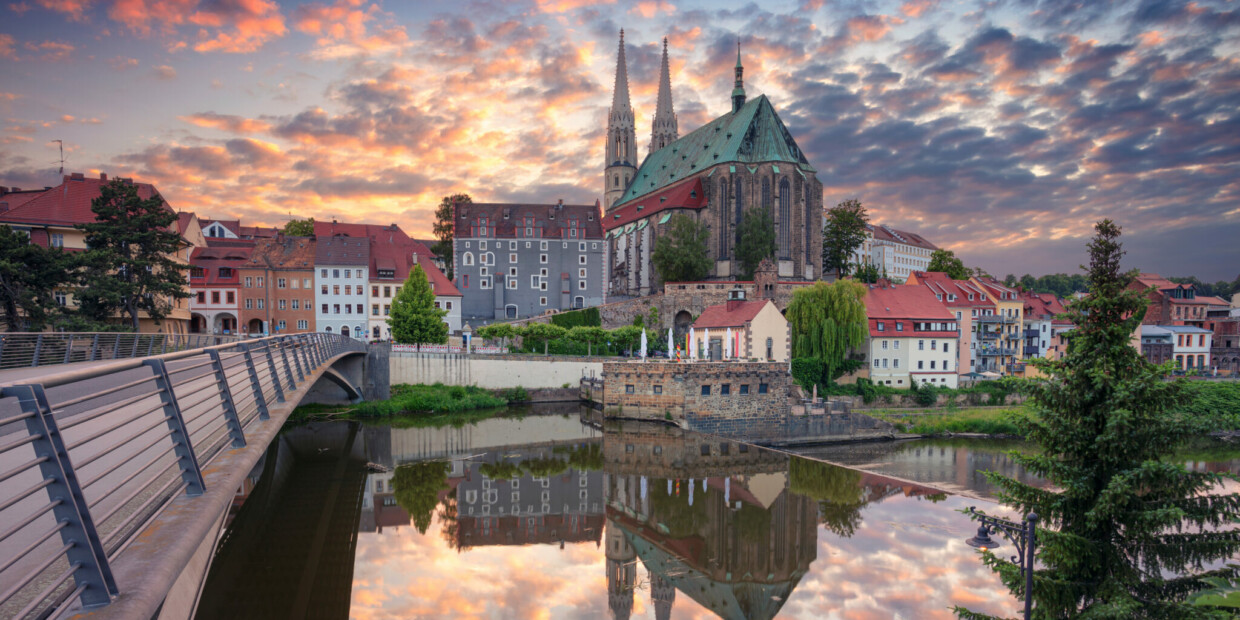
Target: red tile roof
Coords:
[[1213, 301], [502, 219], [731, 314], [1162, 284], [686, 194], [378, 234], [940, 283], [183, 220], [996, 288], [11, 198], [440, 283], [887, 233], [67, 204], [211, 259], [284, 252], [905, 302], [1043, 305]]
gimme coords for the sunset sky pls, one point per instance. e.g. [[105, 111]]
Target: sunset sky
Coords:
[[1000, 129]]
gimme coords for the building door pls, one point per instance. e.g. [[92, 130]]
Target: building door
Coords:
[[716, 349], [344, 331]]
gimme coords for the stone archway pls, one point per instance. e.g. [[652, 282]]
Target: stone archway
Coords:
[[681, 323], [255, 327], [344, 331]]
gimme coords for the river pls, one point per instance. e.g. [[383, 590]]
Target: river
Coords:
[[544, 514]]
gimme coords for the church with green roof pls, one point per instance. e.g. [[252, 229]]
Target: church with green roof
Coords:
[[744, 159]]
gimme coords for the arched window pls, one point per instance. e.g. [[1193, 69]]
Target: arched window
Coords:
[[468, 259], [723, 218], [739, 202], [766, 194], [809, 226], [328, 329], [617, 181], [785, 219]]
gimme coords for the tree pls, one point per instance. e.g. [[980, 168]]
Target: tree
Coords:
[[757, 240], [443, 228], [503, 331], [842, 235], [299, 228], [414, 318], [589, 335], [826, 321], [867, 272], [416, 488], [626, 336], [541, 332], [945, 261], [130, 267], [29, 277], [680, 255], [1126, 528]]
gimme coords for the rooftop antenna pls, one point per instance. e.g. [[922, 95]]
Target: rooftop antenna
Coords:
[[62, 155]]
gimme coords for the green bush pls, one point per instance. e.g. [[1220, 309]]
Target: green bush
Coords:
[[926, 395], [516, 395], [588, 317], [432, 399], [807, 372]]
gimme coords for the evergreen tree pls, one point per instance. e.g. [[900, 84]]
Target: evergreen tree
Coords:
[[827, 320], [945, 261], [130, 267], [680, 255], [842, 235], [299, 228], [444, 227], [414, 318], [756, 240], [1127, 530], [29, 277]]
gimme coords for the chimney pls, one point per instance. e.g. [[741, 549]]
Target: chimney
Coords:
[[78, 176], [733, 304], [103, 176]]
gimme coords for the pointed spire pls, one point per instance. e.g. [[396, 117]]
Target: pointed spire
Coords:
[[620, 93], [738, 90], [663, 130]]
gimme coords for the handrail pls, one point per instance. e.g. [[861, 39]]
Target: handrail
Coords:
[[35, 349], [112, 444]]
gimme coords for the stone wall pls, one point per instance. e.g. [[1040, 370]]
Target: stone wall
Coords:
[[493, 371], [683, 392], [976, 399]]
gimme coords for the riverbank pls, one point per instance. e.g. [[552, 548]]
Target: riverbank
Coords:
[[440, 401]]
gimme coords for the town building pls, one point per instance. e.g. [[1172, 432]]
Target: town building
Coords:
[[966, 302], [898, 253], [912, 337], [51, 218], [1000, 336], [743, 159], [1186, 346], [1043, 318], [1171, 303], [342, 264], [278, 286], [215, 280], [759, 331], [514, 261], [232, 229]]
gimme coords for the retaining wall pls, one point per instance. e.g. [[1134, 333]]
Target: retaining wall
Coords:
[[493, 371]]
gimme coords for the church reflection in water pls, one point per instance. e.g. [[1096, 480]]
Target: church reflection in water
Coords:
[[730, 526]]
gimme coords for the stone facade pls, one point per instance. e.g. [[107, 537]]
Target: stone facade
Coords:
[[700, 390]]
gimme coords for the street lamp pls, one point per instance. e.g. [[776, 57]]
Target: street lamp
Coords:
[[1021, 534]]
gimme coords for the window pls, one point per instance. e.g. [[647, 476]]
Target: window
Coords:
[[468, 259], [705, 390], [628, 389], [281, 283], [323, 289], [282, 325], [215, 297], [744, 389], [884, 345], [542, 245], [335, 289], [465, 280], [249, 282], [260, 282], [281, 304], [249, 303], [305, 283], [725, 389], [61, 298], [359, 310], [387, 310], [933, 344], [931, 364], [542, 301], [542, 259], [260, 303], [762, 388], [448, 305], [658, 389], [770, 348], [374, 309], [295, 304], [197, 272], [303, 324], [920, 364], [374, 291], [58, 241], [325, 308], [945, 346], [581, 260], [921, 345], [895, 362], [882, 326], [336, 308], [202, 297], [899, 326], [348, 289], [897, 344]]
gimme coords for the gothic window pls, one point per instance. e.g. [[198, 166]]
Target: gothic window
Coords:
[[806, 224], [785, 217], [766, 194], [617, 181], [723, 218], [739, 202]]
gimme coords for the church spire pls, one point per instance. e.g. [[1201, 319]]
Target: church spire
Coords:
[[621, 152], [738, 90], [663, 129]]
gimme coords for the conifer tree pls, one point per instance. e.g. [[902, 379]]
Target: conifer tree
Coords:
[[1125, 531], [414, 318], [29, 277]]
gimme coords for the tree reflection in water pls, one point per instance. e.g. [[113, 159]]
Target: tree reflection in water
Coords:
[[417, 486]]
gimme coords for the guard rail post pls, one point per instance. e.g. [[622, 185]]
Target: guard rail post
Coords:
[[38, 348], [288, 367], [80, 536], [232, 419], [258, 389], [68, 350], [274, 372], [292, 342], [186, 459]]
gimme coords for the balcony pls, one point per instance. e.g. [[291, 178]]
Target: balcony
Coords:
[[996, 351], [1031, 351], [997, 319], [1033, 333], [987, 335], [1015, 369]]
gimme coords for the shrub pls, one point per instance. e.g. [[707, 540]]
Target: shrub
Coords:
[[926, 395], [516, 395], [807, 371]]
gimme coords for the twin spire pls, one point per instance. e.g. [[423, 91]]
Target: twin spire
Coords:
[[663, 129]]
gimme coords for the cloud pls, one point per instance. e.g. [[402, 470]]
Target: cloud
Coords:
[[165, 72], [231, 26], [121, 63], [7, 47], [227, 122], [73, 9]]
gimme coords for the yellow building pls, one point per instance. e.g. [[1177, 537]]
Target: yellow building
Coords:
[[759, 331], [51, 218], [1006, 324]]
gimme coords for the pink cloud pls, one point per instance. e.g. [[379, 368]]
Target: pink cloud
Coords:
[[74, 9]]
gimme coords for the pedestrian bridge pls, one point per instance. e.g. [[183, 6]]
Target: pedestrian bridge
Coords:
[[116, 474]]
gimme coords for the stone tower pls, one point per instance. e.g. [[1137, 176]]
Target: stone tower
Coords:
[[738, 89], [621, 572], [663, 129], [620, 166], [663, 595]]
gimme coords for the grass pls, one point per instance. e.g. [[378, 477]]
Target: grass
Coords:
[[438, 401], [983, 420]]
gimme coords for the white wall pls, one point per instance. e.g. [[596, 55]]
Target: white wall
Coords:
[[357, 277], [491, 372]]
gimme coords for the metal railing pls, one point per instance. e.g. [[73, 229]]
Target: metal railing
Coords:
[[33, 349], [89, 457], [991, 351], [994, 318]]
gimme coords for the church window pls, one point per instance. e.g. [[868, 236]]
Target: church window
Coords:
[[805, 224], [785, 217], [766, 194], [739, 201], [723, 218], [616, 182]]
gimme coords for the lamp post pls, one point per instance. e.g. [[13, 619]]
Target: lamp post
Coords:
[[1023, 535]]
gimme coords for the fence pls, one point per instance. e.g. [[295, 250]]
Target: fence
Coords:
[[444, 348], [32, 349], [88, 458]]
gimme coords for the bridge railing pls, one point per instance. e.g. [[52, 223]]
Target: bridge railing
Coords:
[[89, 457], [33, 349]]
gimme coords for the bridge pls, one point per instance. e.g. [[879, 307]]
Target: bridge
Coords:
[[120, 455]]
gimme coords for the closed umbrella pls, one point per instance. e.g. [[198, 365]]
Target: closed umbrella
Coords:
[[670, 345], [705, 344], [643, 345], [692, 345], [727, 345]]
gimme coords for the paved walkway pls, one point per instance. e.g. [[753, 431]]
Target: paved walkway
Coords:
[[31, 375]]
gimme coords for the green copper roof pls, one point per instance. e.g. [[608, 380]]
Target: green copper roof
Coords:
[[752, 135]]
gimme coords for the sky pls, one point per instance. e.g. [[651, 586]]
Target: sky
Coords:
[[999, 129]]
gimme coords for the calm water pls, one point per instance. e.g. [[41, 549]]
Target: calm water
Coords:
[[546, 516]]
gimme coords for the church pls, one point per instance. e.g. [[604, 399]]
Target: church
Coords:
[[740, 160]]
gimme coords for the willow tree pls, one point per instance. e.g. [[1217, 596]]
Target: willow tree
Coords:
[[1127, 531], [827, 321]]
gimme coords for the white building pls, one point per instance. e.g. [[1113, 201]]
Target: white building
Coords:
[[1190, 346], [912, 337], [343, 264]]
